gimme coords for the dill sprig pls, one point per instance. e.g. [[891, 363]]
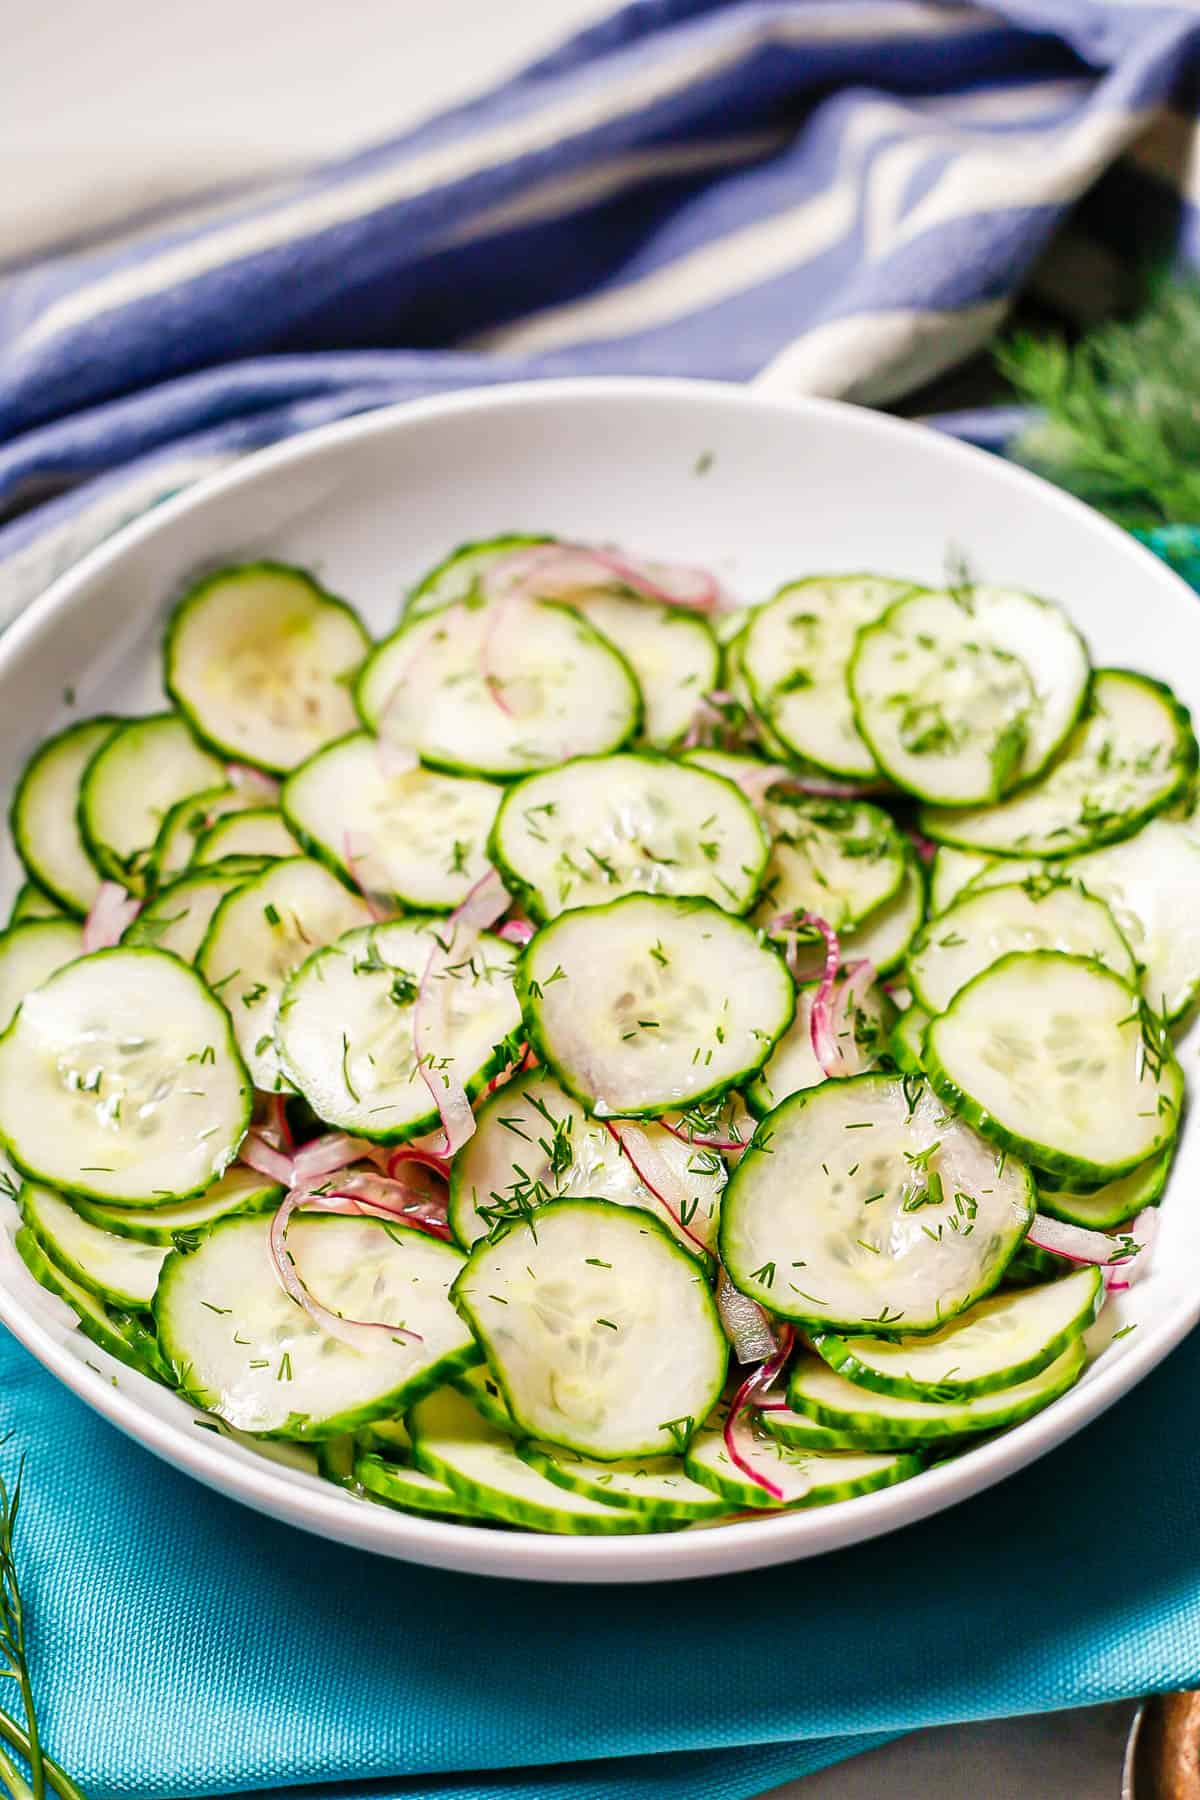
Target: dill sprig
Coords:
[[1121, 410], [14, 1666]]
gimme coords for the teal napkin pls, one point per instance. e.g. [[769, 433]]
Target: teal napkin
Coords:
[[185, 1646]]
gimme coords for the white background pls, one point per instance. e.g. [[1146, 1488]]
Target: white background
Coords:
[[105, 112]]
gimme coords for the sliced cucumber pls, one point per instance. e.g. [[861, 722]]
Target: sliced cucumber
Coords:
[[841, 859], [454, 1444], [410, 1489], [944, 708], [600, 1330], [816, 1389], [673, 654], [1049, 1057], [907, 1042], [884, 937], [794, 654], [605, 826], [457, 576], [242, 1349], [122, 1335], [32, 903], [1101, 1208], [1002, 1341], [483, 1391], [952, 871], [417, 837], [260, 658], [43, 816], [240, 1190], [864, 1203], [30, 953], [473, 692], [178, 917], [1131, 755], [1149, 883], [533, 1143], [120, 1080], [804, 1476], [390, 1438], [798, 1429], [982, 927], [793, 1064], [648, 1004], [118, 1270], [187, 822], [131, 783], [344, 1032], [259, 936], [655, 1485], [258, 831]]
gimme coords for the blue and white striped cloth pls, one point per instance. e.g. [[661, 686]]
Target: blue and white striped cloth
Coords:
[[837, 196]]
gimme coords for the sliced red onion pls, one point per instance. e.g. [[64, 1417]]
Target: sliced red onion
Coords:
[[265, 1159], [655, 1173], [111, 914], [243, 776], [703, 1140], [552, 571], [757, 1382], [421, 1206], [326, 1155], [848, 996], [355, 852], [274, 1129], [516, 931], [1124, 1256], [672, 584], [746, 1324], [484, 904], [395, 1160], [755, 784], [293, 1286], [925, 847]]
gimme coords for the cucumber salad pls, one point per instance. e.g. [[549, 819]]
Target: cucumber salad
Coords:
[[604, 1059]]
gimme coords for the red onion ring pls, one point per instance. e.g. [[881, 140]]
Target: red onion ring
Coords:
[[377, 908], [294, 1288], [483, 905], [382, 1197], [327, 1154], [275, 1129], [925, 847], [516, 931], [1077, 1244], [654, 1173], [758, 1379], [425, 1159], [856, 979], [756, 783], [701, 1139], [112, 912], [556, 570], [265, 1159]]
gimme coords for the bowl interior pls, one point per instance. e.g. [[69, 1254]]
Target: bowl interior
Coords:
[[761, 491]]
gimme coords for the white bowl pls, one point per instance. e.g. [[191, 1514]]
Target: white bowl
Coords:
[[759, 489]]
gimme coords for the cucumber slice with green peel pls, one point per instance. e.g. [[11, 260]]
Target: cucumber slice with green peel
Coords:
[[410, 1489], [1003, 1341], [794, 653], [483, 1391], [178, 917], [674, 656], [655, 1485], [1003, 871], [121, 1334], [455, 1444], [43, 815], [798, 1429], [953, 871], [416, 837], [600, 1330], [127, 789], [793, 1064], [240, 1190], [32, 903], [604, 826], [31, 952], [1149, 883], [982, 927], [863, 1203], [944, 709], [344, 1031], [259, 832], [472, 691], [118, 1270], [243, 1349], [841, 859], [804, 1476], [390, 1438], [648, 1004], [187, 822], [738, 688], [335, 1461], [884, 937], [120, 1080], [1114, 1203], [1053, 1058], [907, 1041], [825, 1395], [259, 935], [533, 1142], [260, 658], [457, 576], [1131, 756]]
